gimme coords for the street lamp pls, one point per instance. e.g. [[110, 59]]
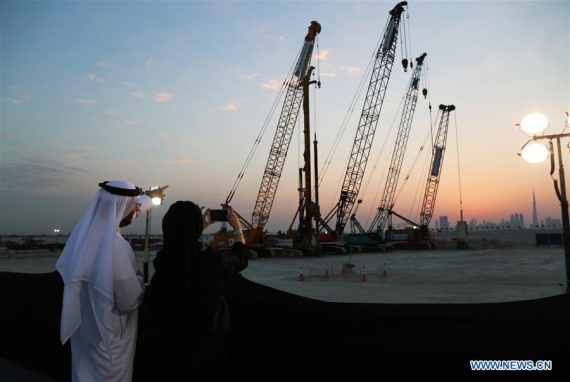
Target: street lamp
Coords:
[[535, 152], [146, 258]]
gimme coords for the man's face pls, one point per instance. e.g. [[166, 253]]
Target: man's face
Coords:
[[131, 216]]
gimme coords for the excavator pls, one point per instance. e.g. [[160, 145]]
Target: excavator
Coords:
[[253, 230], [384, 60]]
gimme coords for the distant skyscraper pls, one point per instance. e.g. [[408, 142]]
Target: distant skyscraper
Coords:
[[534, 215], [443, 222]]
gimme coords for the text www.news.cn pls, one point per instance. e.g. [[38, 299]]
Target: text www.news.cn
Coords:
[[513, 365]]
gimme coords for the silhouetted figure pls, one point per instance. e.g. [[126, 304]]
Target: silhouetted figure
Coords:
[[190, 315]]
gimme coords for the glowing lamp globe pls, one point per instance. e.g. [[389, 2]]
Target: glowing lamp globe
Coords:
[[534, 123], [156, 201], [534, 152]]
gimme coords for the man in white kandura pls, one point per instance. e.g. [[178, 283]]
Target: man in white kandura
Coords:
[[103, 288]]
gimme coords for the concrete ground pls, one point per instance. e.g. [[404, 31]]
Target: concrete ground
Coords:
[[426, 276]]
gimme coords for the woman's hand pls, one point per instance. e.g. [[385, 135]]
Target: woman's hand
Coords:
[[233, 219], [205, 218]]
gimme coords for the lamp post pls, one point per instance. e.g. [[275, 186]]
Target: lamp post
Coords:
[[534, 152], [146, 258]]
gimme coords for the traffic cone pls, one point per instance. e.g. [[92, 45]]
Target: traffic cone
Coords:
[[384, 273], [363, 277], [301, 276], [327, 270]]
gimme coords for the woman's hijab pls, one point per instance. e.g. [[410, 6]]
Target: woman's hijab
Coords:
[[175, 264]]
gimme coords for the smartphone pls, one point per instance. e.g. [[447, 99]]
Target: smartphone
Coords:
[[218, 215]]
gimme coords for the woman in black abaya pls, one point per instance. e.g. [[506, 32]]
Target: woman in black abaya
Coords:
[[186, 296]]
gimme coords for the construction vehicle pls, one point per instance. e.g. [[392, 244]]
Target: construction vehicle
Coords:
[[409, 108], [304, 238], [371, 109], [434, 174], [253, 230], [371, 237], [418, 235]]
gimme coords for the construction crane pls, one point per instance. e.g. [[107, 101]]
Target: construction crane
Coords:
[[419, 233], [434, 174], [409, 108], [358, 235], [278, 151], [383, 63], [308, 209]]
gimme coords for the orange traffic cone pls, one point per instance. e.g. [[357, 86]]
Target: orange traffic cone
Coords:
[[301, 276], [384, 273], [363, 277], [327, 270]]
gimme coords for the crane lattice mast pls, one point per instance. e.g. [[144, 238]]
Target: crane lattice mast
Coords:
[[434, 174], [383, 63], [284, 132], [409, 108]]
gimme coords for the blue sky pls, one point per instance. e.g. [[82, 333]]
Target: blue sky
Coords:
[[176, 92]]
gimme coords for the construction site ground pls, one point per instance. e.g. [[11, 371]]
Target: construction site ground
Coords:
[[441, 275]]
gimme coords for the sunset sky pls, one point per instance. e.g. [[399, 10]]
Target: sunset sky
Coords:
[[176, 92]]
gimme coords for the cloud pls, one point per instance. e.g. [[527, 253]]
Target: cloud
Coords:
[[126, 83], [350, 70], [237, 69], [112, 111], [125, 165], [94, 77], [102, 64], [17, 102], [328, 74], [273, 85], [163, 97], [281, 38], [322, 55], [150, 62], [126, 124], [230, 107], [81, 100], [180, 160], [73, 154], [138, 94], [38, 175]]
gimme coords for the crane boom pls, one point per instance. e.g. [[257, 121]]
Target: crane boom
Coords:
[[409, 108], [434, 174], [284, 132], [384, 61]]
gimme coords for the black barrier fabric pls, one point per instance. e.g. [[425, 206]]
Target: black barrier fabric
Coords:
[[278, 336]]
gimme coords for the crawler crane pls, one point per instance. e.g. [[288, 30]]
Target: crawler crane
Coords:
[[419, 235], [371, 109], [408, 110]]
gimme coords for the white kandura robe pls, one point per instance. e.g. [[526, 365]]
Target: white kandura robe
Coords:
[[90, 360]]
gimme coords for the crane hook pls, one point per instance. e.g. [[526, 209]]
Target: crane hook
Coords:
[[405, 64], [424, 92]]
